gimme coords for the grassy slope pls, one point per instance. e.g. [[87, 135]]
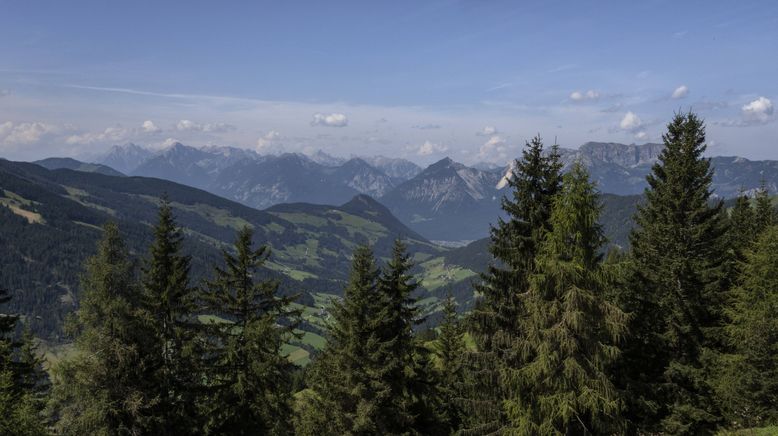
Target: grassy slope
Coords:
[[311, 244]]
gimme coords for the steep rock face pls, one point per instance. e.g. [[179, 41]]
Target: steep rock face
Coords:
[[281, 179], [447, 201], [178, 163], [732, 175], [362, 177], [262, 180], [398, 169], [617, 168], [444, 185], [325, 159], [221, 157], [620, 154], [125, 158]]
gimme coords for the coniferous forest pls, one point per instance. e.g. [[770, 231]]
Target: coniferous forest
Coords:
[[676, 335]]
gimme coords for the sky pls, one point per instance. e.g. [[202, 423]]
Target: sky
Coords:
[[472, 80]]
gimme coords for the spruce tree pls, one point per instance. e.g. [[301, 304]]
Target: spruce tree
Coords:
[[102, 389], [22, 393], [742, 226], [248, 388], [571, 332], [450, 351], [748, 376], [169, 307], [350, 376], [765, 214], [494, 323], [676, 289], [406, 364]]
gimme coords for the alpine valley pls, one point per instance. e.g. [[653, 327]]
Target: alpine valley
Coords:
[[312, 210], [446, 201]]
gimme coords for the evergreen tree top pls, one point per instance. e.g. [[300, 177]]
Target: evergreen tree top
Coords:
[[577, 234]]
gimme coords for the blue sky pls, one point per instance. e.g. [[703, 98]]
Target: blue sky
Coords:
[[417, 79]]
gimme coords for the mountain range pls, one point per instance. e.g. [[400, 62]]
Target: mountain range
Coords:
[[446, 201], [51, 221]]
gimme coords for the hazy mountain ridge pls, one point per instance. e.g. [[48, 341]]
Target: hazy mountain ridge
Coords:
[[396, 168], [264, 180], [55, 163], [445, 201], [125, 158]]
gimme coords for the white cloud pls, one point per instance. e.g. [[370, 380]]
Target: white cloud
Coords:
[[148, 126], [680, 92], [267, 143], [584, 96], [758, 111], [487, 131], [630, 122], [4, 92], [5, 129], [169, 142], [633, 124], [329, 120], [110, 134], [24, 133], [429, 148], [426, 126], [191, 126], [495, 149]]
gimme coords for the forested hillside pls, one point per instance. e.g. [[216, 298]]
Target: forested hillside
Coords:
[[52, 219], [563, 332]]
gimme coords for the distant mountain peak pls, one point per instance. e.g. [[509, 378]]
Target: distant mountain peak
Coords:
[[326, 159], [177, 147], [125, 158], [626, 155], [397, 168], [447, 161], [367, 207], [364, 201]]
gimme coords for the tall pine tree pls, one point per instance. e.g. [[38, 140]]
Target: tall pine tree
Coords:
[[676, 289], [103, 389], [21, 381], [248, 378], [742, 226], [747, 382], [450, 351], [494, 322], [406, 365], [765, 214], [570, 331], [350, 376], [169, 308]]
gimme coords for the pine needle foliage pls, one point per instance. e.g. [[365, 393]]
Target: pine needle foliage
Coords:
[[247, 379], [570, 331], [494, 323], [169, 308], [677, 289], [748, 376], [103, 389]]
